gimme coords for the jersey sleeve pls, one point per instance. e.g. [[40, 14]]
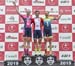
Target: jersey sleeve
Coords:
[[33, 24], [32, 20], [22, 17], [52, 18], [42, 21], [42, 24]]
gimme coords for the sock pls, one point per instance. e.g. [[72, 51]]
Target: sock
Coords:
[[25, 51]]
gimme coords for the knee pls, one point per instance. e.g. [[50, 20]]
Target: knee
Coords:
[[35, 41], [28, 39], [40, 41], [45, 40], [24, 39], [50, 39]]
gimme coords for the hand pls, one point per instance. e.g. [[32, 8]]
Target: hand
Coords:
[[14, 3]]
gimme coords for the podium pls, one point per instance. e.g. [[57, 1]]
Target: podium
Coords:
[[39, 61]]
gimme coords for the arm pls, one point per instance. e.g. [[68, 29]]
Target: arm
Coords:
[[42, 21], [17, 10], [57, 18], [32, 21]]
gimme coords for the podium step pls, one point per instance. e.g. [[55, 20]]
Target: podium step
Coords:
[[39, 61]]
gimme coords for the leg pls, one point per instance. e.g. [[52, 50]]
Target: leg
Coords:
[[50, 46], [50, 40], [28, 45], [39, 43], [28, 42], [28, 34], [24, 40], [39, 39], [25, 47], [45, 39], [35, 42]]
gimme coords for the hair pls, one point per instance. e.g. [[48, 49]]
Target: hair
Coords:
[[28, 10], [37, 11], [48, 12]]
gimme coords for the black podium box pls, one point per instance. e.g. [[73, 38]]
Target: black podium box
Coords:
[[39, 61]]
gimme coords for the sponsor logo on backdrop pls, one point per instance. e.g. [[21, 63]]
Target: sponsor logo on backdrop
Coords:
[[2, 10], [12, 19], [12, 55], [65, 46], [9, 2], [65, 37], [10, 10], [21, 28], [25, 2], [74, 55], [38, 2], [54, 28], [11, 37], [52, 2], [53, 10], [66, 19], [65, 55], [55, 37], [20, 37], [65, 28], [11, 46], [73, 10], [2, 35], [65, 2], [55, 46], [73, 37], [2, 28], [2, 19], [23, 9], [67, 9], [20, 46], [11, 27], [2, 46], [73, 46], [1, 56], [41, 9], [73, 19]]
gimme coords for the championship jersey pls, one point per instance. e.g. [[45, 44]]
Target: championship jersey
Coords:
[[38, 22], [27, 21], [47, 22]]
